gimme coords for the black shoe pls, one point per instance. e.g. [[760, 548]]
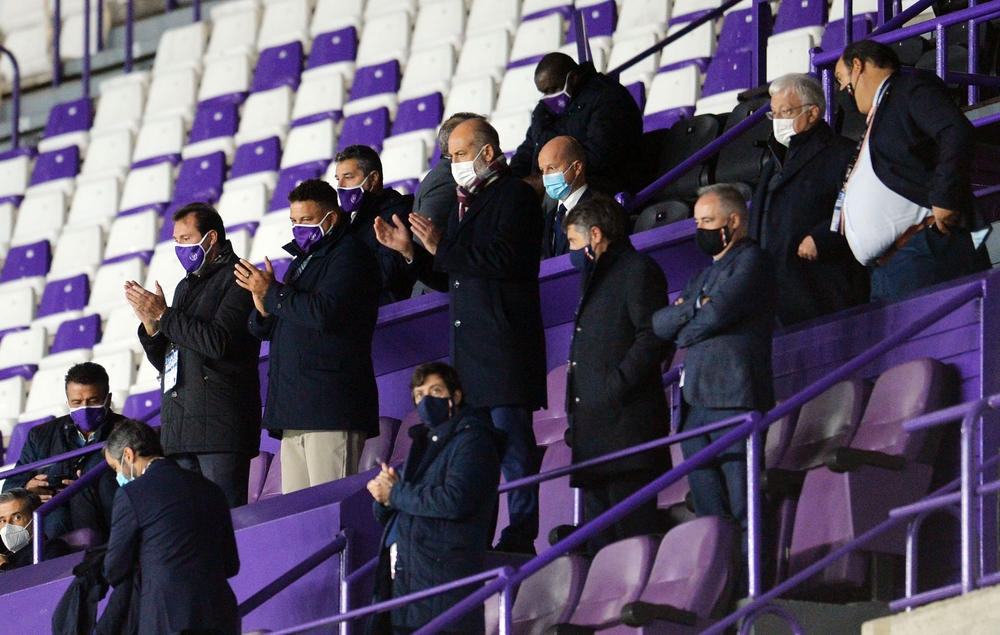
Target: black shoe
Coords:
[[515, 548]]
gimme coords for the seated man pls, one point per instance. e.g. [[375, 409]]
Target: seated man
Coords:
[[89, 421], [564, 175], [363, 197], [17, 532], [438, 512], [592, 108]]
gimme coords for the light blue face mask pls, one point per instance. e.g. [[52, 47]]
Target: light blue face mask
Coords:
[[556, 185], [120, 477]]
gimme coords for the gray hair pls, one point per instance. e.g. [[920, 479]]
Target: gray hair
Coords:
[[450, 123], [144, 440], [731, 198], [30, 499], [805, 86]]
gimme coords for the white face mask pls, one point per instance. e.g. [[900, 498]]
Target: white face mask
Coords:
[[464, 173], [784, 129], [15, 537]]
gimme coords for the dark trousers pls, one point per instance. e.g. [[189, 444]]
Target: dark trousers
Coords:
[[927, 259], [228, 470], [600, 497], [719, 488], [521, 459]]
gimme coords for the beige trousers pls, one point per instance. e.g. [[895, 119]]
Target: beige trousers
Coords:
[[314, 457]]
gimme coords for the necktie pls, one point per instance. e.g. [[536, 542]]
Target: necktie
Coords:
[[558, 235]]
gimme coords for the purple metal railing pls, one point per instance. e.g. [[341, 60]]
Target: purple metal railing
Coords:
[[15, 104], [37, 465], [38, 517]]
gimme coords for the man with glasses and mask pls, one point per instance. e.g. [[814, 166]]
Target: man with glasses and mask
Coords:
[[322, 400], [564, 176], [488, 260], [206, 356], [792, 206], [90, 421], [363, 196], [17, 530], [723, 317], [594, 109], [907, 208]]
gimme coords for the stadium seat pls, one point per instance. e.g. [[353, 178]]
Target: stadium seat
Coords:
[[158, 141], [641, 16], [378, 449], [741, 160], [474, 95], [122, 102], [80, 250], [26, 265], [545, 599], [417, 119], [258, 475], [13, 393], [15, 171], [8, 213], [109, 154], [150, 187], [366, 128], [147, 378], [165, 269], [71, 37], [535, 9], [46, 396], [228, 75], [401, 449], [317, 99], [486, 53], [310, 144], [265, 114], [40, 216], [486, 16], [120, 330], [288, 179], [142, 406], [833, 35], [599, 19], [662, 150], [860, 7], [32, 46], [330, 15], [428, 71], [556, 498], [403, 164], [106, 293], [626, 49], [20, 353], [374, 87], [234, 29], [121, 373], [536, 38], [255, 162], [278, 66], [284, 22], [789, 53], [738, 29], [95, 202], [243, 207], [274, 232], [374, 9], [173, 93], [660, 214], [215, 122], [62, 300], [68, 125], [672, 97], [386, 37], [23, 14], [132, 236], [333, 53], [511, 128], [200, 179], [518, 92], [441, 22], [182, 47], [73, 343]]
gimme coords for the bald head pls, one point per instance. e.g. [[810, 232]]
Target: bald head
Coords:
[[474, 139], [564, 155], [552, 72]]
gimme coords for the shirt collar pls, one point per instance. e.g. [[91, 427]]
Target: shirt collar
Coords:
[[574, 198]]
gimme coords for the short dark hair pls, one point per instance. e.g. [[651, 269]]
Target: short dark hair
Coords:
[[368, 160], [89, 374], [871, 52], [444, 134], [29, 498], [447, 374], [599, 211], [206, 218], [318, 191], [557, 65], [129, 433]]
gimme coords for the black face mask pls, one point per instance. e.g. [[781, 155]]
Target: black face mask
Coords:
[[847, 102], [713, 241]]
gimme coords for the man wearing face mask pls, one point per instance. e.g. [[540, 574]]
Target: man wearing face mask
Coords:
[[436, 194], [907, 208], [438, 510], [208, 359], [592, 108], [792, 206], [362, 195], [614, 389], [488, 260], [17, 531], [322, 400], [90, 421], [723, 318], [564, 176], [172, 526]]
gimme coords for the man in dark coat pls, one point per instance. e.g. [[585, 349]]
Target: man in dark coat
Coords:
[[363, 197], [564, 176], [174, 526], [438, 512], [206, 356], [614, 389], [592, 108], [322, 399], [723, 318], [90, 422], [908, 211], [436, 198], [17, 534], [488, 261], [793, 204]]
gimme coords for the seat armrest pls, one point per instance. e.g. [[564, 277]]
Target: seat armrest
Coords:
[[850, 459], [569, 629], [644, 614], [780, 483]]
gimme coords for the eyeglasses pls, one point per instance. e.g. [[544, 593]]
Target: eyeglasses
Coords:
[[786, 113]]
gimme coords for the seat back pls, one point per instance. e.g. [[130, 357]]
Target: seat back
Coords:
[[550, 423], [742, 160], [215, 118], [378, 450], [662, 150], [258, 156], [288, 180], [401, 448], [64, 295], [660, 214], [57, 164], [142, 406], [258, 475], [826, 423], [365, 128], [200, 179], [71, 116], [616, 577], [333, 47], [550, 595], [76, 334], [27, 261], [19, 436]]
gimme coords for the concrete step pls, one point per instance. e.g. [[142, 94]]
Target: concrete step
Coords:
[[976, 613]]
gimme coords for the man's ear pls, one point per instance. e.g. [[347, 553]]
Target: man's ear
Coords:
[[596, 235], [457, 397], [736, 221], [375, 179], [489, 153]]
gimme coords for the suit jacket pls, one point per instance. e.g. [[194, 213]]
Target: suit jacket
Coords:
[[614, 390], [488, 263], [794, 199], [321, 325], [603, 117], [215, 406], [553, 228], [728, 340], [436, 197], [174, 526], [922, 145], [397, 279]]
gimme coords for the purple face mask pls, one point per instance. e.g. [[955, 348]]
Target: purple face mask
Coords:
[[89, 418], [559, 101], [350, 197], [308, 235], [192, 257]]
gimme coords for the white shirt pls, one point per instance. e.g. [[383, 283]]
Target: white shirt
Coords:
[[874, 215], [573, 198]]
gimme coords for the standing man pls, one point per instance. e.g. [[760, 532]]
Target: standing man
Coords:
[[723, 318], [908, 211], [564, 176], [363, 197], [90, 421], [438, 513], [487, 260], [207, 357], [436, 197], [322, 400], [592, 108], [614, 391], [171, 526], [17, 532], [793, 204]]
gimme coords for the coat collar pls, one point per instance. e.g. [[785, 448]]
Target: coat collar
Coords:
[[602, 266], [802, 148], [483, 197]]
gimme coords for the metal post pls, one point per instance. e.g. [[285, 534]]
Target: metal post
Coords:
[[884, 12], [196, 10], [506, 606], [100, 25], [129, 28], [56, 28], [577, 506], [583, 53], [760, 43], [849, 21], [941, 51], [345, 585], [970, 502], [15, 103], [973, 44], [755, 450], [171, 5], [85, 71]]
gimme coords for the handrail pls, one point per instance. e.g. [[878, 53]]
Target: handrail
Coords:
[[15, 105], [38, 517], [56, 33], [85, 67], [52, 460], [129, 33], [738, 434], [903, 17]]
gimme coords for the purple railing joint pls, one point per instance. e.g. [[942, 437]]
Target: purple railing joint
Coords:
[[38, 517]]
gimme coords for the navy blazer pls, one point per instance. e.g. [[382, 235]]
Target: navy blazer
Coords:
[[728, 340], [174, 526], [436, 196]]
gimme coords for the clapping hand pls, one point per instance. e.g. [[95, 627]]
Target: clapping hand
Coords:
[[148, 306], [381, 485], [426, 231], [395, 236]]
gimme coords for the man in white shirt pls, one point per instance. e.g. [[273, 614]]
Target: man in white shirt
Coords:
[[564, 175]]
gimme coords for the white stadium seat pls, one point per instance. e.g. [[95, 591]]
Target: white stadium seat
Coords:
[[266, 114], [313, 142], [246, 204], [132, 234], [109, 154], [121, 104], [146, 186], [385, 37], [441, 22], [107, 292], [228, 75], [40, 216], [173, 93], [538, 37], [79, 250], [182, 47], [486, 53], [428, 71], [476, 95], [234, 29], [285, 21], [160, 138], [95, 202], [274, 232]]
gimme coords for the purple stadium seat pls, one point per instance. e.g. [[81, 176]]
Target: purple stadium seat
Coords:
[[143, 406], [638, 92], [55, 165], [19, 435], [617, 577], [729, 70], [666, 118], [555, 506], [217, 117], [287, 180], [200, 179], [675, 494], [378, 450], [401, 447], [548, 597], [272, 484], [72, 116], [334, 47], [259, 156], [600, 20], [70, 294], [421, 113], [365, 128], [738, 30], [779, 439], [833, 36], [797, 15], [258, 474], [76, 334], [27, 261], [376, 80], [550, 423], [278, 66]]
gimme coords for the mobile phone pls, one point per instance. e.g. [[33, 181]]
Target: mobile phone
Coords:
[[56, 481]]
